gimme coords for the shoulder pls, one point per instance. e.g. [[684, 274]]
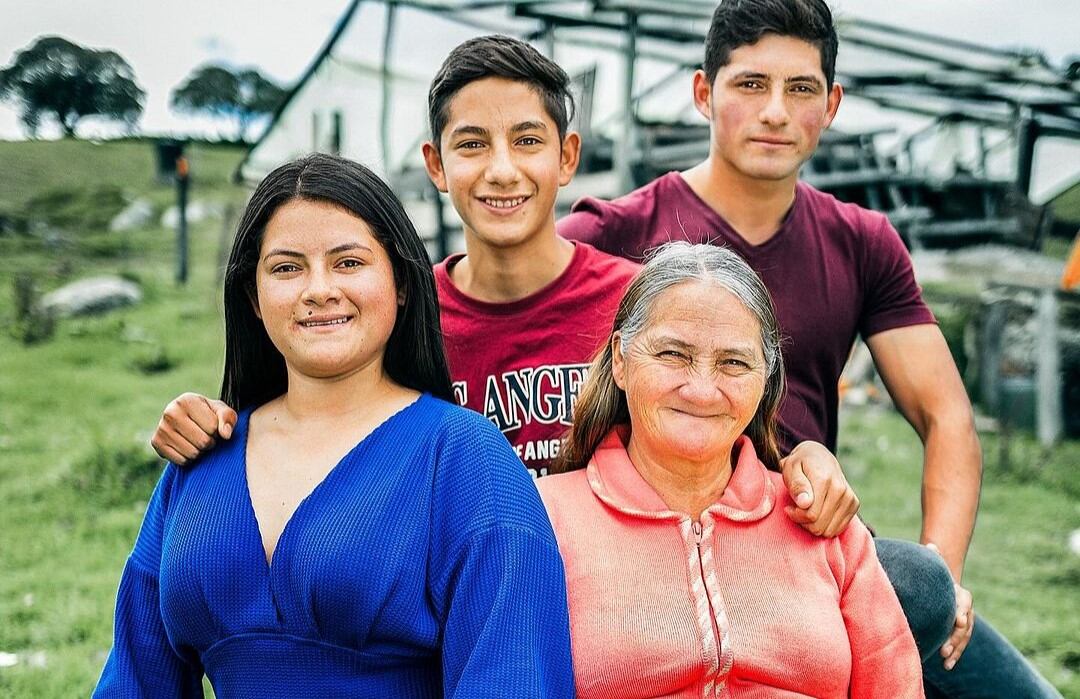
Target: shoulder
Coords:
[[568, 499], [636, 205], [477, 475], [617, 270], [561, 487], [637, 202], [833, 213]]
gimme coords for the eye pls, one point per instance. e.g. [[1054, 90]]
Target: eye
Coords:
[[752, 84], [284, 268], [804, 89], [736, 365], [350, 263], [671, 354], [470, 145], [529, 141]]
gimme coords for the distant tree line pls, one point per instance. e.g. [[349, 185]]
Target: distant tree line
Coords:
[[57, 80], [61, 80], [218, 91]]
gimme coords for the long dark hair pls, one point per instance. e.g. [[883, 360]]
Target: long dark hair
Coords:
[[254, 369]]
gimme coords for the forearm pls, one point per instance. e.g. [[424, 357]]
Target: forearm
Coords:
[[952, 477]]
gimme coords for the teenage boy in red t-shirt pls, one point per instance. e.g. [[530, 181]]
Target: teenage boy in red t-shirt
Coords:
[[834, 271], [523, 310]]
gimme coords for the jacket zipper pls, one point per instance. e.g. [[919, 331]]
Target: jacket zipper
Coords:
[[698, 536]]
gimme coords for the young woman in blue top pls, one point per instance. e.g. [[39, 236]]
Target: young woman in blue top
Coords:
[[359, 535]]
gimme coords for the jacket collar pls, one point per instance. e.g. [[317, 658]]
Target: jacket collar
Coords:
[[613, 478]]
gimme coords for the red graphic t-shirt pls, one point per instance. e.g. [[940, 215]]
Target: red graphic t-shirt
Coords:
[[521, 364]]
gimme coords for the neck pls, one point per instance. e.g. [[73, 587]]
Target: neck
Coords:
[[505, 274], [329, 399], [684, 486], [755, 208]]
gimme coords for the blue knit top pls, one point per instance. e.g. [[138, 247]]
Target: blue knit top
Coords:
[[422, 566]]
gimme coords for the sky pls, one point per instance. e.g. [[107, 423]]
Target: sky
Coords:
[[164, 42]]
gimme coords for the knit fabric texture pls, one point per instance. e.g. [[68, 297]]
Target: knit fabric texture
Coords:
[[422, 566], [742, 603]]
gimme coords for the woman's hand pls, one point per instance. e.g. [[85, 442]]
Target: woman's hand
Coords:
[[189, 425], [824, 502]]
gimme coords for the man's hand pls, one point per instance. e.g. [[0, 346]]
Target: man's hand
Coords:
[[824, 502], [963, 625], [189, 425]]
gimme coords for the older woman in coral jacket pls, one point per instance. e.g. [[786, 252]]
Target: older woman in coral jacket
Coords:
[[685, 578]]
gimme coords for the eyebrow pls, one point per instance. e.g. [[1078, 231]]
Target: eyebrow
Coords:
[[469, 130], [749, 74], [813, 79], [529, 126], [670, 341], [344, 247]]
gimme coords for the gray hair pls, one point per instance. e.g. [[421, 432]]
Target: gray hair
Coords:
[[672, 264], [601, 404]]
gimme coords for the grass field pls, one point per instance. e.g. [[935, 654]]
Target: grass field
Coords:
[[76, 414]]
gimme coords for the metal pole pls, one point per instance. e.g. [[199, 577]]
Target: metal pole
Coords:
[[181, 226], [1027, 131], [384, 114], [549, 40], [627, 150]]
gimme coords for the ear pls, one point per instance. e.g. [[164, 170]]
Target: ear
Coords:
[[571, 157], [702, 94], [401, 298], [618, 362], [836, 93], [434, 165]]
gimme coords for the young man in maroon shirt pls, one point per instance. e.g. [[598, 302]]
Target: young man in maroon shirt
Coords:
[[835, 271], [523, 310]]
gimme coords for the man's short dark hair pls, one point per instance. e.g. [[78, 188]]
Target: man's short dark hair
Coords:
[[738, 23], [497, 56]]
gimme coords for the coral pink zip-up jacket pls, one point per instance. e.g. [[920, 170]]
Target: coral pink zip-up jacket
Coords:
[[743, 603]]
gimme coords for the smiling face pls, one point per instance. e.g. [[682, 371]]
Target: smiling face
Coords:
[[325, 290], [501, 160], [767, 107], [694, 376]]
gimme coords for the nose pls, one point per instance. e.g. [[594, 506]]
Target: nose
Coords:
[[320, 288], [775, 112], [700, 387], [501, 169]]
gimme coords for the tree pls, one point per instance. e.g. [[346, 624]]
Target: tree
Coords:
[[220, 92], [59, 78]]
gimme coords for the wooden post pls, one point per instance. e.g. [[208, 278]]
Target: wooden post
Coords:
[[990, 358], [1048, 417], [181, 224]]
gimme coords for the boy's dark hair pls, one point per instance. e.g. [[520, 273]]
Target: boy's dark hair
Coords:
[[738, 23], [497, 56]]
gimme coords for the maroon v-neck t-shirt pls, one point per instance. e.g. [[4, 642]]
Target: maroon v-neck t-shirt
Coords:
[[835, 270]]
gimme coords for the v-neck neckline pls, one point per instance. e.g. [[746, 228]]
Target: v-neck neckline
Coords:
[[245, 423]]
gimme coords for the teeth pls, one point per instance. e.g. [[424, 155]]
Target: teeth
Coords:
[[315, 323], [504, 203]]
